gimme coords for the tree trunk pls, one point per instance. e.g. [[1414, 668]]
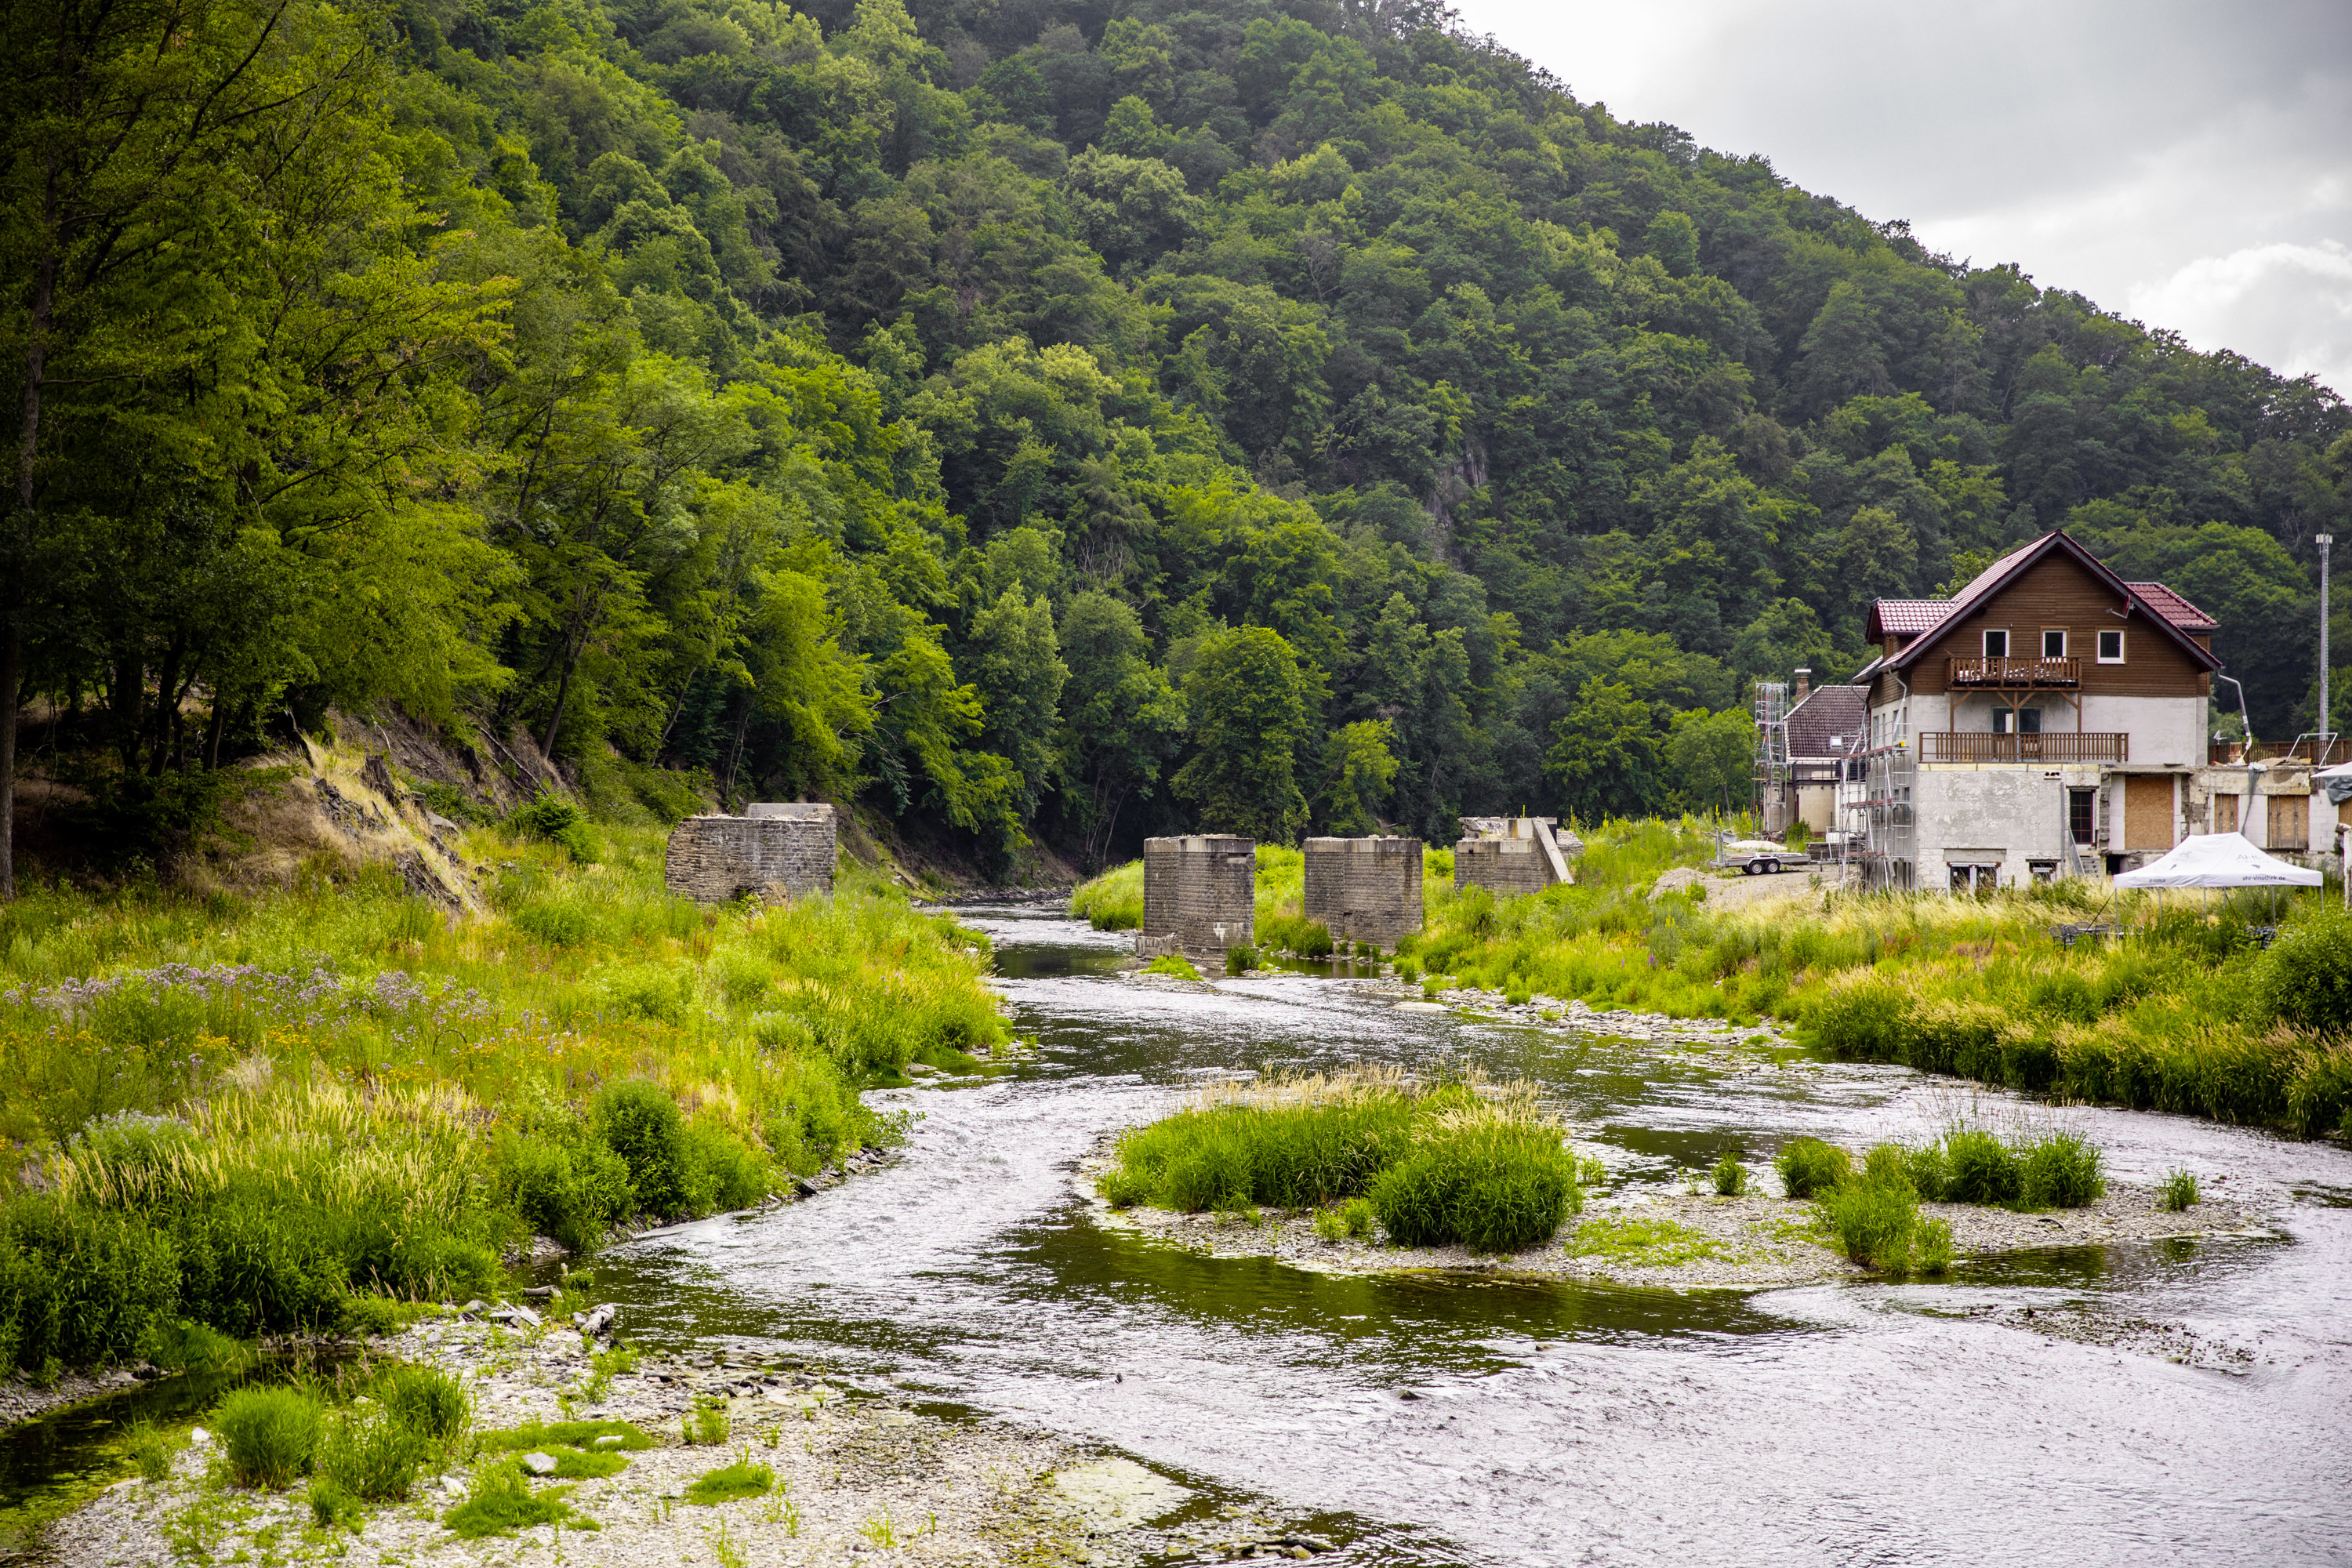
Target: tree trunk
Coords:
[[19, 543], [166, 717], [126, 703], [212, 728], [735, 755]]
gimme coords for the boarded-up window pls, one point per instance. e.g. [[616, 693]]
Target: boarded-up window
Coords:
[[2225, 814], [2148, 811], [2290, 822]]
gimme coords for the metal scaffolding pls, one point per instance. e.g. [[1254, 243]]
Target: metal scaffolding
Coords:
[[1772, 770], [1876, 789]]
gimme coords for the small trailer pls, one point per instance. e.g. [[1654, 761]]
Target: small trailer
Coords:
[[1756, 857]]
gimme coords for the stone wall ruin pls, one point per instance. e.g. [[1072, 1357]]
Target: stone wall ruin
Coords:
[[776, 849], [1200, 889], [1513, 854], [1364, 889]]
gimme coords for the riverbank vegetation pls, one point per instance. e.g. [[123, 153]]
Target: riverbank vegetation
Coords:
[[1435, 1164], [2183, 1010], [1872, 1209], [270, 1115]]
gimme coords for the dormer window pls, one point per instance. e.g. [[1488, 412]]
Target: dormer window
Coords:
[[2111, 648], [1996, 644]]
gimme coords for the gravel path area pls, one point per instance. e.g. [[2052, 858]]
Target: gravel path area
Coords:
[[857, 1480]]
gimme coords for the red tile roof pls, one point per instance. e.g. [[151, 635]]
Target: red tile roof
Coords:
[[1915, 619], [2174, 608], [1828, 713], [1908, 616]]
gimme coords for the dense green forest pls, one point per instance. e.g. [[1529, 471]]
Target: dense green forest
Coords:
[[1045, 419]]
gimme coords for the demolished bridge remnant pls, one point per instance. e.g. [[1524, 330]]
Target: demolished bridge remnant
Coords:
[[779, 849], [1364, 889], [1513, 854], [1199, 894]]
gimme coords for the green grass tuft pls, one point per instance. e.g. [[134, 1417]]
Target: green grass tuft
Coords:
[[706, 1424], [1810, 1167], [1174, 963], [271, 1434], [1983, 1169], [2176, 1191], [372, 1454], [500, 1502], [1932, 1247], [1350, 1221], [562, 1435], [428, 1401], [1730, 1177], [151, 1450], [1873, 1223], [2060, 1171], [731, 1483]]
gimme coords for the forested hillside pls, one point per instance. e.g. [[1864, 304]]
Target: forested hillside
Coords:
[[1048, 419]]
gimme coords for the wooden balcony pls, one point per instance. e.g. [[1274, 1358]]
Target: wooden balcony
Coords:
[[2014, 674], [2092, 746]]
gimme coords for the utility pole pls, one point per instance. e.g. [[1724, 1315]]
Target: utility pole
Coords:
[[2324, 541]]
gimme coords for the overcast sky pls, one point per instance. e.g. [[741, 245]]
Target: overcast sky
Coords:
[[2188, 165]]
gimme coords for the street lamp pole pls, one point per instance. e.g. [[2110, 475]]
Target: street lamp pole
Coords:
[[2326, 732]]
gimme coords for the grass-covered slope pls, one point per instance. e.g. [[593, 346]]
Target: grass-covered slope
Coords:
[[249, 1114]]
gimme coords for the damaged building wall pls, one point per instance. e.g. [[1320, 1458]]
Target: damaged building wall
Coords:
[[1509, 855], [714, 858], [1364, 889], [1200, 893]]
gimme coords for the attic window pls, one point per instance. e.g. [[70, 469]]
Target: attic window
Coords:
[[2111, 648]]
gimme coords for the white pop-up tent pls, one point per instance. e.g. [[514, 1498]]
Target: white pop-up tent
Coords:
[[2219, 860]]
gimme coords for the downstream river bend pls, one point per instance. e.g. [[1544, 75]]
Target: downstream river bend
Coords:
[[2177, 1402]]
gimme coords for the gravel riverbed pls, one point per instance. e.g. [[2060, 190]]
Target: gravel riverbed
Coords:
[[857, 1480]]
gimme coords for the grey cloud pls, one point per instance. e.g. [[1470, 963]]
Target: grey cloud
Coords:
[[2128, 152]]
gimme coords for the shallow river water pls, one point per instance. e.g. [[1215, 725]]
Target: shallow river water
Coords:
[[2178, 1403]]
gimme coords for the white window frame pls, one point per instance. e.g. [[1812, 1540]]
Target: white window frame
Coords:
[[2116, 633], [2058, 632], [2003, 634]]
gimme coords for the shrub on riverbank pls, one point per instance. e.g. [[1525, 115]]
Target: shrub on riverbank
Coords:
[[1436, 1165], [1112, 901], [247, 1115]]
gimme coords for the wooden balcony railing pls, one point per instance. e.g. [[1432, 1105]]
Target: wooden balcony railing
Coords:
[[2011, 673], [2067, 746]]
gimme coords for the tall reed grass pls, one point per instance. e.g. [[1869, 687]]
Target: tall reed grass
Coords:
[[1437, 1164], [245, 1114], [2186, 1012]]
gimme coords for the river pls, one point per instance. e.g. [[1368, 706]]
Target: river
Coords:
[[2180, 1402]]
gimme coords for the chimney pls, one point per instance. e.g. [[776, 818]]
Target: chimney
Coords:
[[1804, 681]]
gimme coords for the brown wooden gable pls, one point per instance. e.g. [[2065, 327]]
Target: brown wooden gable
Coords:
[[2058, 592]]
